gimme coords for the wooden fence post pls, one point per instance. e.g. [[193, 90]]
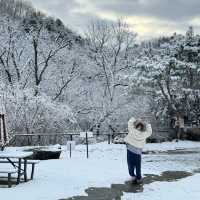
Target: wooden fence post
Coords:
[[70, 150], [87, 145], [39, 139], [109, 139]]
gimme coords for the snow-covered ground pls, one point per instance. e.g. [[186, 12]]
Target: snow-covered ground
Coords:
[[64, 178], [185, 189]]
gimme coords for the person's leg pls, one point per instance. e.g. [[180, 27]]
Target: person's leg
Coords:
[[131, 163], [138, 167], [177, 133], [180, 133]]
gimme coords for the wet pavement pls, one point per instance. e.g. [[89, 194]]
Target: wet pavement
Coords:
[[115, 192], [173, 152]]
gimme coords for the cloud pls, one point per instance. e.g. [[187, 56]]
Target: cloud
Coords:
[[55, 6], [165, 9], [147, 17]]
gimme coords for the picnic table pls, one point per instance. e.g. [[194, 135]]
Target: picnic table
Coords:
[[18, 159]]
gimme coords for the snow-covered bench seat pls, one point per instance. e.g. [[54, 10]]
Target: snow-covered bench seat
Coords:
[[8, 172], [29, 162]]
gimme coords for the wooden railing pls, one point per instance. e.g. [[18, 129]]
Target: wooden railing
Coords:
[[42, 139], [39, 139]]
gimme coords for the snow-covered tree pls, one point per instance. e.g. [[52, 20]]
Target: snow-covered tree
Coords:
[[171, 73]]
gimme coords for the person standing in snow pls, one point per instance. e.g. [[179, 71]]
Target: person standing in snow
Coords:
[[179, 126], [138, 132]]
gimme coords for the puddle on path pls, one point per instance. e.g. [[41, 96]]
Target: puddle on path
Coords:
[[115, 192]]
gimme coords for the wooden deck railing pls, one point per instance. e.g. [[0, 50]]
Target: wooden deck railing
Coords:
[[56, 138]]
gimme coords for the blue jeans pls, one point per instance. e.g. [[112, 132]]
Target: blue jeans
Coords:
[[134, 164]]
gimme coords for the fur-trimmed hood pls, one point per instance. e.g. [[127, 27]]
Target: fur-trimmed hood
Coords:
[[135, 137]]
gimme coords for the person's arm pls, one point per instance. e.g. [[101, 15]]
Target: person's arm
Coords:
[[149, 130], [131, 124], [130, 128]]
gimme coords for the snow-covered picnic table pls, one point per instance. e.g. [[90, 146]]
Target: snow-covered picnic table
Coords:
[[18, 160]]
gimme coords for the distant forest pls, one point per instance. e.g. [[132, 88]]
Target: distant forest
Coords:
[[53, 80]]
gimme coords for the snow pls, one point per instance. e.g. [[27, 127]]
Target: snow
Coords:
[[184, 189], [14, 154], [64, 178]]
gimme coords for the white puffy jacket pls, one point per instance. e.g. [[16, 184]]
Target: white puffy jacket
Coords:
[[135, 137]]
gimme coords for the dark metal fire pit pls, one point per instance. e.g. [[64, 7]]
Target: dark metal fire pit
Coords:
[[45, 154]]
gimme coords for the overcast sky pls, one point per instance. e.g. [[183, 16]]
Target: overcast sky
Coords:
[[149, 18]]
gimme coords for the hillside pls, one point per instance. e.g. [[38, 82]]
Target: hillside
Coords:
[[53, 80]]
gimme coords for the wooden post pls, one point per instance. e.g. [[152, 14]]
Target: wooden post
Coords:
[[87, 145], [3, 131], [108, 138], [56, 139], [4, 128], [70, 150], [32, 170], [25, 169], [39, 140], [2, 147], [9, 180], [31, 137], [70, 146], [19, 170], [0, 131]]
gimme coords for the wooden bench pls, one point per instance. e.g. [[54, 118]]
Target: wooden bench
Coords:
[[9, 173], [29, 162]]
